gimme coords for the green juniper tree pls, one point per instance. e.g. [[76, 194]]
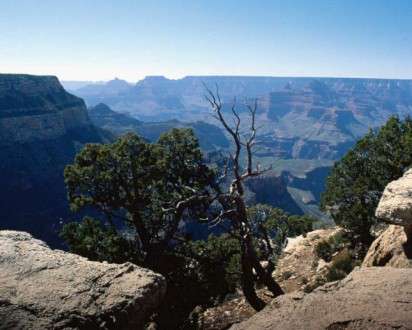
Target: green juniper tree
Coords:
[[356, 182], [144, 187]]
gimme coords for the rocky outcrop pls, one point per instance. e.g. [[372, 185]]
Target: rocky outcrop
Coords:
[[391, 249], [42, 288], [271, 190], [229, 312], [395, 205], [394, 246], [37, 108], [299, 267], [369, 298]]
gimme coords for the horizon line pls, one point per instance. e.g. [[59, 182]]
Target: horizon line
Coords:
[[236, 76], [210, 76]]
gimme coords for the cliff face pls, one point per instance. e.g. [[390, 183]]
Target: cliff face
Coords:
[[37, 108], [41, 129], [272, 190]]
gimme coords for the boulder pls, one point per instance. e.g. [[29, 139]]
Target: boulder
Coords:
[[392, 248], [42, 288], [369, 298], [395, 205]]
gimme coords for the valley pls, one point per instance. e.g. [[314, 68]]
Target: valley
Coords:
[[205, 165], [304, 126]]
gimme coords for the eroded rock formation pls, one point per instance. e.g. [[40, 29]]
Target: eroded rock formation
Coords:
[[394, 246], [395, 205], [42, 288], [299, 267], [369, 298], [37, 108]]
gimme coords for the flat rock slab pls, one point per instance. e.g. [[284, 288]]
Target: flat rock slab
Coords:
[[369, 298], [395, 205], [42, 288]]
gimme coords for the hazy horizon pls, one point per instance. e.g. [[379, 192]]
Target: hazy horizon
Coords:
[[228, 75]]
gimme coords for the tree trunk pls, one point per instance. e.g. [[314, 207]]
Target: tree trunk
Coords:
[[248, 282], [264, 275]]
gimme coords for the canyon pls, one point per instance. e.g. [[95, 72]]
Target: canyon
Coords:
[[42, 127]]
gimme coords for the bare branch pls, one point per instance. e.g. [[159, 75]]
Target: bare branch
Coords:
[[222, 216], [223, 176], [216, 104], [250, 142]]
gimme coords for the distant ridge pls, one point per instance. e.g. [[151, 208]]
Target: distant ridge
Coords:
[[310, 118]]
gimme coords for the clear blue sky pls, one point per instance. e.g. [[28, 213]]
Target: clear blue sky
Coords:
[[101, 39]]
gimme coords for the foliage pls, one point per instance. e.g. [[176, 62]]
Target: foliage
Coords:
[[139, 184], [216, 263], [357, 181], [91, 239], [342, 265], [150, 188], [146, 189], [271, 226]]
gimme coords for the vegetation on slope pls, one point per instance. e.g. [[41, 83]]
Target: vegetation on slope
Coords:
[[357, 181]]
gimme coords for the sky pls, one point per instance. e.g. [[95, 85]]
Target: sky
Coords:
[[103, 39]]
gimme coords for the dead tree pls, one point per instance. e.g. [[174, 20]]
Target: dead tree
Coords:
[[232, 202]]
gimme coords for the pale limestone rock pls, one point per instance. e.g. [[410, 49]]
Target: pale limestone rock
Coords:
[[42, 288], [368, 298], [391, 248], [299, 267], [395, 205]]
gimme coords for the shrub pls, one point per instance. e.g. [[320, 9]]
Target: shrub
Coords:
[[325, 249], [342, 265]]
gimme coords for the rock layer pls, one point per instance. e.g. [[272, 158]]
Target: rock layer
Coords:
[[42, 288], [369, 298], [37, 108]]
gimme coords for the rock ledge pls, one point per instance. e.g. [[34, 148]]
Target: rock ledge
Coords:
[[42, 288], [369, 298]]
